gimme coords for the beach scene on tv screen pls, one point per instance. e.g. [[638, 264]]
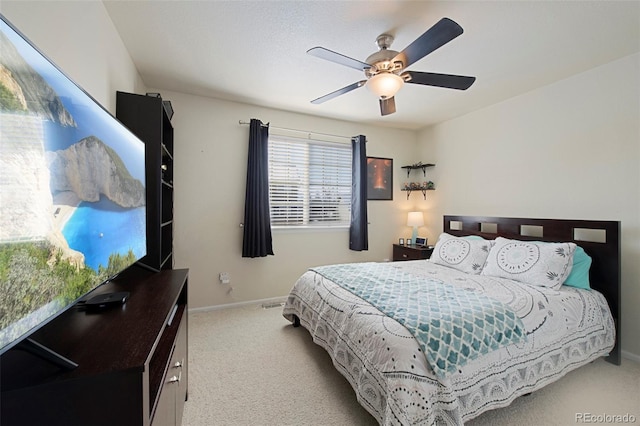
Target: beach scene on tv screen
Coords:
[[72, 190]]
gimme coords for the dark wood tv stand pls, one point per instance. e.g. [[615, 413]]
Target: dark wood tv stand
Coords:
[[132, 361]]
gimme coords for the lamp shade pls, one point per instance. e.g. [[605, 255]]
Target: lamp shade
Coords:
[[415, 219], [385, 85]]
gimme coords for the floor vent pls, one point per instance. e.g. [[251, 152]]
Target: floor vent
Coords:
[[272, 305]]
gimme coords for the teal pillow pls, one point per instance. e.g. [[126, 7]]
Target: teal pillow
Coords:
[[579, 276]]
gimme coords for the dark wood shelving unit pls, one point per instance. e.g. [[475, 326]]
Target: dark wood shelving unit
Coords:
[[149, 118], [132, 360]]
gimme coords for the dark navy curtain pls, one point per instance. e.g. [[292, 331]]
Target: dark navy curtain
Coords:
[[256, 241], [358, 231]]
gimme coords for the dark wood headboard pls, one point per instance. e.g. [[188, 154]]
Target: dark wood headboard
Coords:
[[599, 239]]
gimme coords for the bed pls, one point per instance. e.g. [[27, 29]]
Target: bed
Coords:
[[495, 338]]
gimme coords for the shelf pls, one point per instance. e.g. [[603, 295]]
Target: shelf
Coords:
[[147, 116], [165, 152], [418, 186], [416, 167], [424, 191]]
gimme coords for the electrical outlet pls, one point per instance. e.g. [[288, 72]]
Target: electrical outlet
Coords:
[[225, 278]]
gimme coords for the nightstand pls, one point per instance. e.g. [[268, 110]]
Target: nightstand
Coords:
[[411, 252]]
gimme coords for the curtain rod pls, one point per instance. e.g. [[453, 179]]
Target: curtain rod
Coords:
[[309, 133]]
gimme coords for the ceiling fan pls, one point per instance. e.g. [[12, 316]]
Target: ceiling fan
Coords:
[[385, 70]]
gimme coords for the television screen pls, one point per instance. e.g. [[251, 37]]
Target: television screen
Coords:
[[72, 191]]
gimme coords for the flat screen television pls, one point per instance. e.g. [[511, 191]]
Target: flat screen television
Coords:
[[72, 191]]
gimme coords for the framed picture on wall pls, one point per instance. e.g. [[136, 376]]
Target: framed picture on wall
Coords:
[[379, 178]]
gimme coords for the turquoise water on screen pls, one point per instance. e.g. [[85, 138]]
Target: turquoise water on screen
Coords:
[[100, 229]]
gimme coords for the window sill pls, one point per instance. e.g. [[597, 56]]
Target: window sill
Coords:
[[307, 228]]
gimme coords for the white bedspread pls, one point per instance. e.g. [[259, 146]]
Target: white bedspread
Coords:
[[566, 328]]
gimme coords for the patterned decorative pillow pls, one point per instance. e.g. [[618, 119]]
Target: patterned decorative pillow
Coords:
[[464, 254], [546, 265]]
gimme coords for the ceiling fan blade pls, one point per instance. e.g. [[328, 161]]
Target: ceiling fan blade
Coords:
[[435, 37], [448, 81], [338, 58], [339, 92], [387, 106]]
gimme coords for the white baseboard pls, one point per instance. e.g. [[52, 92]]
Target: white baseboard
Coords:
[[631, 356], [238, 304]]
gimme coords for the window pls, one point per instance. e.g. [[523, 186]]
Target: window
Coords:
[[309, 182]]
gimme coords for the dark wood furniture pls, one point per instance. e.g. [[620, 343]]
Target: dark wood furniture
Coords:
[[599, 239], [132, 361], [148, 118], [411, 252]]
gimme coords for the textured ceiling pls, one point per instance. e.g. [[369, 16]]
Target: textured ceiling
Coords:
[[255, 51]]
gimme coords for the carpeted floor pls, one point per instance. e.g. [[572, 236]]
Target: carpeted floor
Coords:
[[249, 366]]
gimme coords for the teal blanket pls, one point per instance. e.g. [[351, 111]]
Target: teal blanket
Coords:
[[452, 325]]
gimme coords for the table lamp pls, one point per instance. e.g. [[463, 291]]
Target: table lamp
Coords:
[[415, 219]]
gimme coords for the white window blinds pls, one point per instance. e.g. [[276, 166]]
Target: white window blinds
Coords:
[[309, 182]]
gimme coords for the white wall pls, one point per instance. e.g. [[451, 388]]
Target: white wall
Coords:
[[79, 37], [210, 173], [569, 150]]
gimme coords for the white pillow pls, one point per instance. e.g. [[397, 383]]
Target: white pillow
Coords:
[[546, 265], [464, 254]]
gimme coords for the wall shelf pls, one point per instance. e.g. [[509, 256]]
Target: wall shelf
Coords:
[[415, 186], [423, 190], [418, 166]]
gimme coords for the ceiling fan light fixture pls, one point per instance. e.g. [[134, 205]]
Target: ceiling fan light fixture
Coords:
[[385, 85], [385, 69]]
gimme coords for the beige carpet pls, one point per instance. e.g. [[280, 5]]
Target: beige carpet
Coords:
[[249, 366]]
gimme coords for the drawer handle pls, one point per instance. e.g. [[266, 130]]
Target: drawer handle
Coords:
[[174, 379], [404, 255], [178, 364]]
